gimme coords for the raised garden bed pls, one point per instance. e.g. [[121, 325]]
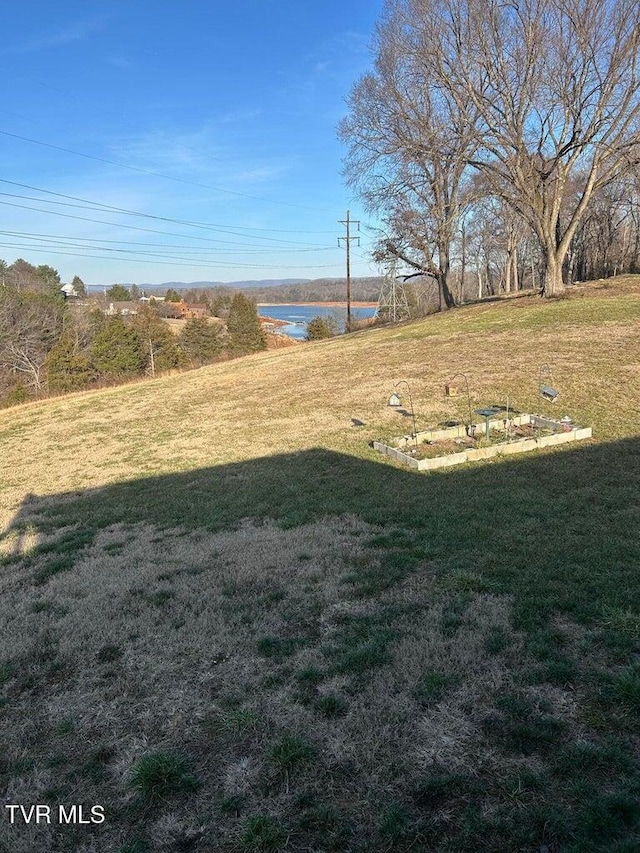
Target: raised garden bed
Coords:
[[455, 445]]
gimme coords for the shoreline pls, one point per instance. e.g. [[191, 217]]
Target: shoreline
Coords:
[[273, 321], [354, 304]]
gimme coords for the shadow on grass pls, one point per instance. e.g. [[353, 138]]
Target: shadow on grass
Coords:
[[561, 530], [558, 532]]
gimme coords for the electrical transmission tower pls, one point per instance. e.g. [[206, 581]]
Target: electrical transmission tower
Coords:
[[392, 303]]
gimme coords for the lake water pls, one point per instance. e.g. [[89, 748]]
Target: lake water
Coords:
[[299, 316]]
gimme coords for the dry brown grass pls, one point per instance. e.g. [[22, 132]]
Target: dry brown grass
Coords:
[[154, 639], [305, 396], [222, 644]]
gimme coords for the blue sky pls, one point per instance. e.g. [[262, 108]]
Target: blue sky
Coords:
[[221, 114]]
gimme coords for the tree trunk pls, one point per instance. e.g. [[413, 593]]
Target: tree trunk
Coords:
[[489, 280], [444, 291], [507, 273], [571, 267], [552, 283], [463, 262]]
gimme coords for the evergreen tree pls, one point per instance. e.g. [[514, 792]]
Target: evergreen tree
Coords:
[[200, 340], [172, 296], [159, 344], [320, 328], [14, 395], [118, 293], [78, 285], [50, 279], [68, 368], [117, 349], [245, 332]]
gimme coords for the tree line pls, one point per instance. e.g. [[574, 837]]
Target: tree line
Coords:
[[503, 139], [51, 344], [218, 297]]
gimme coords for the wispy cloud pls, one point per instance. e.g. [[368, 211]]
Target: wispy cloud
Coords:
[[119, 62], [341, 53], [74, 31], [239, 117], [207, 155]]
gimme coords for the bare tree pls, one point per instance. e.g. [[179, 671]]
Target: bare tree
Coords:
[[607, 240], [30, 324], [551, 88], [409, 146]]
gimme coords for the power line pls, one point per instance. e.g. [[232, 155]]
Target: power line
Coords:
[[179, 263], [100, 208], [113, 208], [70, 245], [160, 174], [109, 113], [122, 225], [199, 249]]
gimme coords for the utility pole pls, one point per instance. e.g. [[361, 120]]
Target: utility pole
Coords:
[[347, 239]]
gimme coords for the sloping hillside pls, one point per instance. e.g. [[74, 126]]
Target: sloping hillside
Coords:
[[233, 625]]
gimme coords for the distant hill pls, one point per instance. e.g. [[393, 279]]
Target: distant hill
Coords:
[[189, 285], [273, 289], [240, 285]]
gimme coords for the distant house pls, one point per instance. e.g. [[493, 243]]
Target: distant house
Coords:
[[69, 291], [122, 308], [168, 310], [182, 310]]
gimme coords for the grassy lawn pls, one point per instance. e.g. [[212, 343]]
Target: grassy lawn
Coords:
[[232, 624]]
